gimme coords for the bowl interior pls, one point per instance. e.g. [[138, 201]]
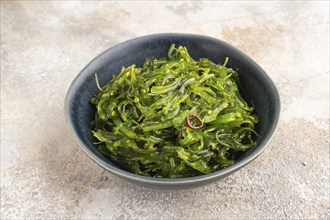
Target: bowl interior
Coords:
[[258, 89]]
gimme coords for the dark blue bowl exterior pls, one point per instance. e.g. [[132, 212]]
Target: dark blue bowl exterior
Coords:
[[258, 89]]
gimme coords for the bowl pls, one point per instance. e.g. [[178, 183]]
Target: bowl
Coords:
[[258, 89]]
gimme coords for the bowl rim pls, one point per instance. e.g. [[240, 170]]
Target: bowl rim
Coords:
[[185, 180]]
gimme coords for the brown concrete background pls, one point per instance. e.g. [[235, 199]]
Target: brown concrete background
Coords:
[[44, 45]]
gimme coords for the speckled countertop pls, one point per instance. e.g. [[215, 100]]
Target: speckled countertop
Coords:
[[44, 45]]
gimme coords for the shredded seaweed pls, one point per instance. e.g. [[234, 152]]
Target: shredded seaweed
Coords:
[[174, 117]]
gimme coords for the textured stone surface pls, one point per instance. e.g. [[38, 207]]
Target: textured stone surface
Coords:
[[44, 45]]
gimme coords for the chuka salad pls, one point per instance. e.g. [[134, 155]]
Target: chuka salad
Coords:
[[174, 117]]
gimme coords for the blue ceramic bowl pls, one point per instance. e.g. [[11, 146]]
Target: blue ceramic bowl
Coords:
[[258, 89]]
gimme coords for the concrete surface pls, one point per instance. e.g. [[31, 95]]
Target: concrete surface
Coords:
[[44, 45]]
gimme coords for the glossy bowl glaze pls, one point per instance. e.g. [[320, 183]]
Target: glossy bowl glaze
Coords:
[[258, 89]]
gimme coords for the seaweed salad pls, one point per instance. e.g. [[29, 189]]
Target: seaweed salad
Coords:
[[174, 117]]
